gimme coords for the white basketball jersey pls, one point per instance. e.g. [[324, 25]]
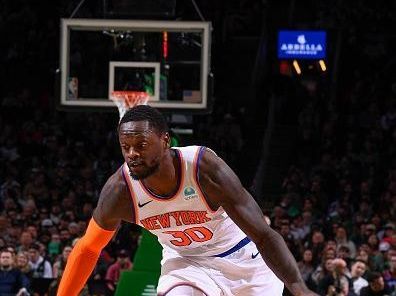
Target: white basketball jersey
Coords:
[[184, 222]]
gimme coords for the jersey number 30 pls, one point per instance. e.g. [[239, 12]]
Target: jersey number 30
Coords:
[[186, 237]]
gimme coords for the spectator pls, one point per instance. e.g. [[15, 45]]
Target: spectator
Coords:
[[369, 230], [22, 263], [316, 244], [343, 253], [41, 268], [393, 242], [113, 273], [306, 265], [329, 252], [342, 240], [11, 249], [363, 254], [357, 280], [54, 245], [65, 237], [12, 280], [390, 274], [376, 259], [298, 229], [336, 281], [386, 234], [32, 229], [55, 213], [376, 287], [288, 237], [60, 264], [341, 289], [74, 230], [322, 271], [25, 241]]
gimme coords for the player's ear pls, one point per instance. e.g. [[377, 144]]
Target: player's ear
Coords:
[[166, 140]]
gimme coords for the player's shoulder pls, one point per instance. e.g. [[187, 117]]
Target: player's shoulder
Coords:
[[208, 160], [114, 201], [187, 149], [116, 178], [195, 154], [194, 149]]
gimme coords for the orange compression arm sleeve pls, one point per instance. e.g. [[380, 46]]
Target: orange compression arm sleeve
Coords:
[[83, 258]]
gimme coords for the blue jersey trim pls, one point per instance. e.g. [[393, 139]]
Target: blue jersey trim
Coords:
[[200, 154], [235, 248]]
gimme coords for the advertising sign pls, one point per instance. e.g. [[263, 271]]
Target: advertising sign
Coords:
[[302, 44]]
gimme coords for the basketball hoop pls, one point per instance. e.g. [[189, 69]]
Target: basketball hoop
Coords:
[[125, 100]]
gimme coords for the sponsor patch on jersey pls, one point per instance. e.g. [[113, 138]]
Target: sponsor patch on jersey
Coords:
[[189, 193]]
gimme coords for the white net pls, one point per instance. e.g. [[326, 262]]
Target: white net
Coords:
[[125, 100]]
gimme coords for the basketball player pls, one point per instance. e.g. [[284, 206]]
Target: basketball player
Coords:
[[214, 235]]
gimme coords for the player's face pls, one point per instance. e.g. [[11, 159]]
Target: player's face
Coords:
[[142, 148]]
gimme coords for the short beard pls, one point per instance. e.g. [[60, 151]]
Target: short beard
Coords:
[[6, 267], [151, 170]]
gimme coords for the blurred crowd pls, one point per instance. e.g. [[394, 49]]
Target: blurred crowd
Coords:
[[338, 208]]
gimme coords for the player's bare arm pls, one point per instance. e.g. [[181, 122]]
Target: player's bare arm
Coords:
[[114, 203], [223, 188]]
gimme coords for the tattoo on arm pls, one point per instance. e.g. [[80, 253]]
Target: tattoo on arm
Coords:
[[114, 203]]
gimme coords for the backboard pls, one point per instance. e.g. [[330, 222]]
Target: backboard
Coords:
[[170, 60]]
